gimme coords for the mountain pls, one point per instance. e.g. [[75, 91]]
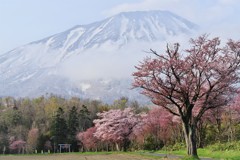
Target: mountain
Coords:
[[50, 65]]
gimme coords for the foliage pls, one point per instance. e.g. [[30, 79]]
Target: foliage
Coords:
[[32, 140], [17, 146], [73, 124], [151, 143], [117, 126], [59, 128], [88, 140], [234, 146], [84, 118]]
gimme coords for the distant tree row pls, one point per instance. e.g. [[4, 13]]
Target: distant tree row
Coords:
[[27, 125], [42, 123], [157, 129]]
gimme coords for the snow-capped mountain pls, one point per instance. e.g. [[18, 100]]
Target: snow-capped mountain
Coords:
[[40, 67], [120, 29]]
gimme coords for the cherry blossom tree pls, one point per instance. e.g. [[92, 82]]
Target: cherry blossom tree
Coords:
[[32, 140], [116, 126], [160, 124], [87, 138], [190, 82], [18, 145], [232, 119]]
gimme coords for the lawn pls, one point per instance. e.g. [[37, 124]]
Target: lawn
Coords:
[[74, 156], [230, 155]]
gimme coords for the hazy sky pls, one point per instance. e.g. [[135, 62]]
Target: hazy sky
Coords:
[[24, 21]]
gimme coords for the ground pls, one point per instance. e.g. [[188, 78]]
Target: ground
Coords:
[[120, 156]]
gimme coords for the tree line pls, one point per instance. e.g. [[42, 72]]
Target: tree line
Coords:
[[40, 124]]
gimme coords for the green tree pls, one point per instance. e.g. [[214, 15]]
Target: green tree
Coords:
[[121, 103], [3, 137], [73, 125], [84, 118], [59, 128]]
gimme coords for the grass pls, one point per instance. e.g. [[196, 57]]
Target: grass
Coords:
[[229, 155], [82, 156], [219, 154]]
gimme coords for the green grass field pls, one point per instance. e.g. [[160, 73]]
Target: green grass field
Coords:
[[229, 155]]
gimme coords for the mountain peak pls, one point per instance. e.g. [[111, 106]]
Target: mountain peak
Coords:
[[121, 29], [33, 69], [139, 14]]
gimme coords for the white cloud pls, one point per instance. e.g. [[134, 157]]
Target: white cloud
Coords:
[[195, 10], [181, 7], [103, 63], [215, 16], [111, 63]]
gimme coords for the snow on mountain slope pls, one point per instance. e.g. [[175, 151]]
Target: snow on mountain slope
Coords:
[[121, 29], [48, 65]]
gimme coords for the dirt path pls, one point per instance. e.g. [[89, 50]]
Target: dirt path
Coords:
[[77, 157], [118, 156]]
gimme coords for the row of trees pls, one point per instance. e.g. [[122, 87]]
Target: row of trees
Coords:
[[103, 127], [42, 123], [156, 129]]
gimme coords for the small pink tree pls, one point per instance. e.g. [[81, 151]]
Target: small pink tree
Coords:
[[87, 138], [32, 140], [116, 126], [188, 84], [18, 145]]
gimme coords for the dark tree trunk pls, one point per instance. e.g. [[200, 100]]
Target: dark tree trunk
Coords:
[[190, 138], [126, 144]]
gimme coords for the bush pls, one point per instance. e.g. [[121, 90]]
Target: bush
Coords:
[[152, 143], [235, 146]]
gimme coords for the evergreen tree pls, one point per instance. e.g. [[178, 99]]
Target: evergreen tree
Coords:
[[59, 128], [73, 125], [84, 118], [3, 138]]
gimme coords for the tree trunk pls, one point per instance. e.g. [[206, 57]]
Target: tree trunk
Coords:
[[126, 143], [190, 138], [117, 147]]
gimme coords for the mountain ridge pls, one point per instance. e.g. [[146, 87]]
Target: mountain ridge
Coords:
[[37, 67]]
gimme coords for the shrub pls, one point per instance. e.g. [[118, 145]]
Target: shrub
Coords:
[[225, 146], [151, 143]]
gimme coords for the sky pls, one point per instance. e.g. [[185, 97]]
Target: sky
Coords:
[[24, 21]]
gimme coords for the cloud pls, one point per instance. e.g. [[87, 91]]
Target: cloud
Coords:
[[107, 62], [214, 15], [104, 63], [185, 8]]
